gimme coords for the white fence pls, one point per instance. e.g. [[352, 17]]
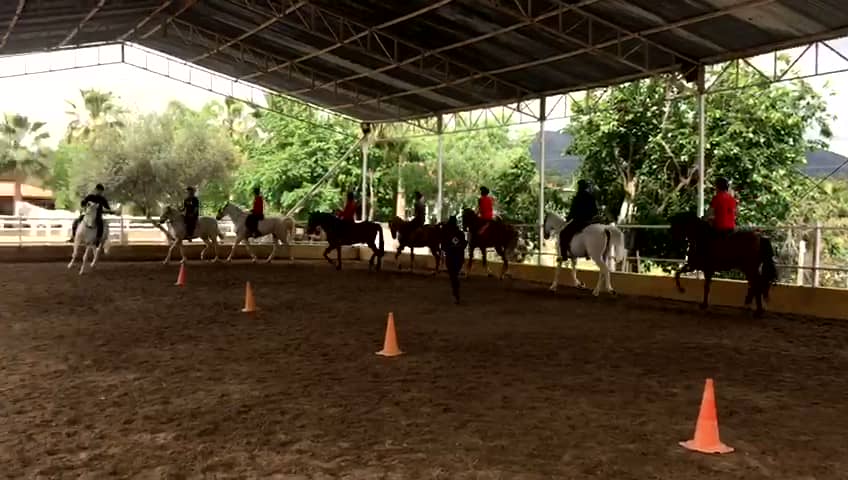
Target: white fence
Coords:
[[806, 247]]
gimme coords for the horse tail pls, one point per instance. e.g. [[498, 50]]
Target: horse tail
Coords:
[[615, 239], [381, 244], [768, 272]]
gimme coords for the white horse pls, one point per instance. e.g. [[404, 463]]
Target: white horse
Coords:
[[281, 228], [86, 234], [206, 230], [597, 241]]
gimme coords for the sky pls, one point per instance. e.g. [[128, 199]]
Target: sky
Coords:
[[43, 96]]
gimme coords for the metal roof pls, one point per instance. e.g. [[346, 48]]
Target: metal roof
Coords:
[[380, 60]]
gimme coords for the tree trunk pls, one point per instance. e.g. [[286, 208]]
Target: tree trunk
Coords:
[[400, 202], [18, 195], [372, 199]]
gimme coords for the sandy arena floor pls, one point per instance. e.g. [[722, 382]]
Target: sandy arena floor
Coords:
[[120, 374]]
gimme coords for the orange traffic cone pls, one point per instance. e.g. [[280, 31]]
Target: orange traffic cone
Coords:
[[181, 277], [249, 302], [706, 430], [390, 345]]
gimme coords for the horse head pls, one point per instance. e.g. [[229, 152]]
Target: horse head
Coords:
[[90, 214], [395, 225], [223, 211], [469, 218], [317, 220], [552, 223], [685, 226], [167, 214]]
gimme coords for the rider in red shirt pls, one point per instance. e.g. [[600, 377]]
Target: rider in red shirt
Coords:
[[257, 213], [723, 207], [348, 214], [485, 208]]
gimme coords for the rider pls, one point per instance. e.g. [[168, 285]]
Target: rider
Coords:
[[419, 212], [486, 209], [256, 214], [453, 244], [723, 208], [102, 206], [191, 211], [348, 214], [583, 210]]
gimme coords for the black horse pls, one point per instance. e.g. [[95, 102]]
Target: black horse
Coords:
[[340, 232], [711, 252]]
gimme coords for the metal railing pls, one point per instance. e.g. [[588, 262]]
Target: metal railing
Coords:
[[807, 245]]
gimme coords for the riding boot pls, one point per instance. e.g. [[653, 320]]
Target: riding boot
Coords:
[[97, 241]]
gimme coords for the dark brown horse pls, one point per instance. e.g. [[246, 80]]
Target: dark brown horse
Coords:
[[424, 236], [711, 252], [341, 233], [498, 235]]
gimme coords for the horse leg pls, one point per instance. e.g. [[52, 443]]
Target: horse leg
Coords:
[[603, 274], [249, 249], [485, 262], [96, 256], [708, 278], [327, 256], [214, 241], [182, 253], [411, 259], [233, 249], [397, 256], [74, 255], [505, 265], [84, 259], [373, 247], [684, 269], [555, 283], [471, 248], [274, 241], [574, 280], [205, 248], [168, 257], [438, 256], [339, 257]]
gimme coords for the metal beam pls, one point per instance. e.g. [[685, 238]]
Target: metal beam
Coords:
[[85, 20], [615, 26], [581, 51], [276, 18], [187, 5], [391, 54], [352, 38], [12, 24], [143, 22], [479, 38], [494, 4]]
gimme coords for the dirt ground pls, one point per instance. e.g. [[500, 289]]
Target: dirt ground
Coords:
[[120, 374]]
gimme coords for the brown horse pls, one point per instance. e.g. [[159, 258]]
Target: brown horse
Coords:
[[341, 233], [498, 235], [424, 236], [711, 252]]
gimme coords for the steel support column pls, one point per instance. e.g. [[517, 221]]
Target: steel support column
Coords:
[[366, 139], [543, 114], [440, 128], [702, 138]]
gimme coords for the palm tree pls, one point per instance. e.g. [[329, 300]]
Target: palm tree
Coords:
[[98, 111], [22, 153]]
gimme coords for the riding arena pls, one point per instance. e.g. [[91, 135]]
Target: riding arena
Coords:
[[321, 349]]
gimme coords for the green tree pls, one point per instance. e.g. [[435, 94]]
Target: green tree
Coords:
[[155, 158], [287, 157], [640, 148], [23, 155], [97, 111]]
